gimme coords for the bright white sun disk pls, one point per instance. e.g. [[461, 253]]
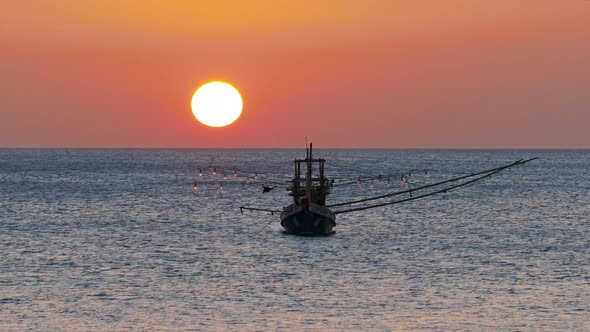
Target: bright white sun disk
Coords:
[[217, 104]]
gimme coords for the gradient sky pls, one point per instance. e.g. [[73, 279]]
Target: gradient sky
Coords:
[[392, 74]]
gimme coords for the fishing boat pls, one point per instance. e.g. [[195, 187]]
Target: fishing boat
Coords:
[[308, 214]]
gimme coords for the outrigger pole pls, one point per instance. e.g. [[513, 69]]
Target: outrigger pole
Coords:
[[495, 170], [484, 174], [272, 211]]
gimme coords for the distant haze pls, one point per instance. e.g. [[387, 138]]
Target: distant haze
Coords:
[[392, 74]]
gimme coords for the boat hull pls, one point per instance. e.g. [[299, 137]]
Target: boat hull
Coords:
[[314, 220]]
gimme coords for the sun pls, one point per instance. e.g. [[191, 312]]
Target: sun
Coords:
[[217, 104]]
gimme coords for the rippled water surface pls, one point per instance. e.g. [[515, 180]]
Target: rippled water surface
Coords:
[[118, 240]]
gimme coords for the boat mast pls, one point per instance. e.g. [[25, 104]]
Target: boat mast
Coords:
[[308, 182]]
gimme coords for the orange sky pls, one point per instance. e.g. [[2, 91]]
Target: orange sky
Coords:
[[394, 74]]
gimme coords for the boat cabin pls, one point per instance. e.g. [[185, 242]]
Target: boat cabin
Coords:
[[309, 182]]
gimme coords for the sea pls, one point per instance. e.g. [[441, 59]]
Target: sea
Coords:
[[136, 240]]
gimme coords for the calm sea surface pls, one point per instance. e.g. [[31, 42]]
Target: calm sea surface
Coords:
[[108, 240]]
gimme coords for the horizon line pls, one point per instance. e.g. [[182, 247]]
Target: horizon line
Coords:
[[290, 148]]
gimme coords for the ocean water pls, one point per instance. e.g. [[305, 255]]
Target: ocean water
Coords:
[[110, 240]]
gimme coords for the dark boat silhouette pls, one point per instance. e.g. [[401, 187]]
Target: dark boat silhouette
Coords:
[[308, 215]]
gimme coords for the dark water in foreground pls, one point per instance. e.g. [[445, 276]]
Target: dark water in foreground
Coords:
[[117, 240]]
